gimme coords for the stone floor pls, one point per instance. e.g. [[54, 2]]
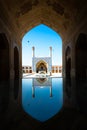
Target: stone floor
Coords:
[[28, 75]]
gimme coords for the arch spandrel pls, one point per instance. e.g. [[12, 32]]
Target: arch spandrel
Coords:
[[41, 17]]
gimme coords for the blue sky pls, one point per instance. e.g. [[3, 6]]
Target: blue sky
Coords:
[[41, 37]]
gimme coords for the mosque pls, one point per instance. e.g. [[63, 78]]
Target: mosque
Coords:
[[69, 19], [41, 64]]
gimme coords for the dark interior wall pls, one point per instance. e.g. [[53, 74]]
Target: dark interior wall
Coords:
[[68, 68], [4, 58], [81, 72], [16, 63], [68, 62], [81, 57]]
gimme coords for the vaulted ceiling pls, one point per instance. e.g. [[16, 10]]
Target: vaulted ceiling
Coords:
[[64, 16]]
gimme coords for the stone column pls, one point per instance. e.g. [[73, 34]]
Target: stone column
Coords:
[[64, 71], [19, 81], [20, 61], [73, 82], [11, 61], [63, 60], [73, 60]]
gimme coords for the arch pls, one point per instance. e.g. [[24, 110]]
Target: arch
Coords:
[[81, 57], [16, 63], [41, 66], [37, 22], [68, 65], [4, 57], [34, 60], [41, 80]]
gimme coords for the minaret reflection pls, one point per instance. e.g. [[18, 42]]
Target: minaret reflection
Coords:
[[41, 82]]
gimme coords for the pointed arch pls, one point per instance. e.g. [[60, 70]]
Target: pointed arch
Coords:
[[41, 66]]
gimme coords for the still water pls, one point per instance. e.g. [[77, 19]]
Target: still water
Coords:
[[42, 98]]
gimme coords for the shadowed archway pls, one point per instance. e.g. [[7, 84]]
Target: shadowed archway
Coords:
[[4, 58], [81, 58], [81, 71], [4, 75]]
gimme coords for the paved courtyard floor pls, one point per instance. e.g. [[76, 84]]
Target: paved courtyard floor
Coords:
[[30, 75]]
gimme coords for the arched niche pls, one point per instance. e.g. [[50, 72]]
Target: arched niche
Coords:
[[32, 27], [4, 58]]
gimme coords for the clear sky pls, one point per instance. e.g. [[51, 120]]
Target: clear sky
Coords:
[[41, 37]]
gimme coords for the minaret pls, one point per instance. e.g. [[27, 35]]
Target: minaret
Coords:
[[33, 57], [33, 51], [50, 61], [51, 52]]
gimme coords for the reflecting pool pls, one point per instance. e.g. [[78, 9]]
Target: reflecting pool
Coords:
[[42, 98]]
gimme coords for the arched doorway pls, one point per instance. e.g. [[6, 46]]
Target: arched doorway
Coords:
[[4, 58], [81, 58], [68, 65], [16, 63], [41, 67]]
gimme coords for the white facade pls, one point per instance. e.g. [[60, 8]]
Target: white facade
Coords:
[[46, 61]]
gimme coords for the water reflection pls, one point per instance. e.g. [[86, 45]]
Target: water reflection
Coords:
[[41, 82], [42, 98], [43, 106]]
